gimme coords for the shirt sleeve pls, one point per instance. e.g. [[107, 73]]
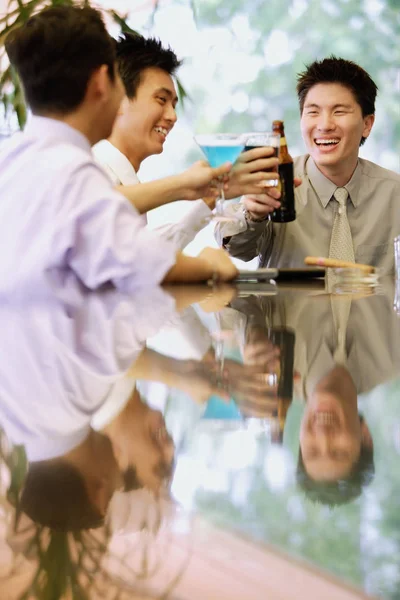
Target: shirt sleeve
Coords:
[[101, 236], [185, 230]]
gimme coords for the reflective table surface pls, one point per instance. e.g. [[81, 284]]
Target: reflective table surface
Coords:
[[190, 442]]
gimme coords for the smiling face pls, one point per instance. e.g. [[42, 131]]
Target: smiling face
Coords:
[[144, 121], [332, 126], [142, 442], [330, 438], [331, 433]]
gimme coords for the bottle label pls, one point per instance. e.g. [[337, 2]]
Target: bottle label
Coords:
[[283, 141]]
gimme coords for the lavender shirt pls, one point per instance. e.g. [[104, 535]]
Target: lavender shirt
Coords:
[[58, 210]]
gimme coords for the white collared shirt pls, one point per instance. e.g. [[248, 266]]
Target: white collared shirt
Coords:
[[122, 172], [59, 210]]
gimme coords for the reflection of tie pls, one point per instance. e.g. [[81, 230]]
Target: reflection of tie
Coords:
[[341, 306], [341, 246]]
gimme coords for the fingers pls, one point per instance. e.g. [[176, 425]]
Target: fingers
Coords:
[[261, 204], [255, 153], [261, 164], [222, 170], [221, 263], [297, 181]]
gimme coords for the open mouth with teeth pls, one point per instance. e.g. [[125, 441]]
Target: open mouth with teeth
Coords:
[[325, 419], [162, 131], [326, 142]]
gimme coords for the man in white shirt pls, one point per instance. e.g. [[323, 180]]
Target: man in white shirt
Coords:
[[145, 118], [59, 209], [337, 107]]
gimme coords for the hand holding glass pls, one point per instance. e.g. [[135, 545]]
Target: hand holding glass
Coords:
[[219, 148]]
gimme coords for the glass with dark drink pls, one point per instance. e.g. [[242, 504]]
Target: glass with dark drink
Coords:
[[257, 140]]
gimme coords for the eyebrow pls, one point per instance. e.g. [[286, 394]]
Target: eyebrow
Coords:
[[313, 105], [169, 93]]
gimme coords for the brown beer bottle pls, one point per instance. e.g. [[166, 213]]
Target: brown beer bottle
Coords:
[[286, 212]]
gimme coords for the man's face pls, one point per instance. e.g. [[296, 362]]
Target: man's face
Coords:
[[330, 438], [332, 126], [145, 444], [146, 119]]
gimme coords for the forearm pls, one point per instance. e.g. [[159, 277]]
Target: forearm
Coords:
[[147, 196], [246, 245], [243, 239], [151, 365]]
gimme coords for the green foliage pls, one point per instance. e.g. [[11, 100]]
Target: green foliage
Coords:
[[313, 29]]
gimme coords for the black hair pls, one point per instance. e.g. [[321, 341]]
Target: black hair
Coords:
[[55, 495], [55, 52], [342, 491], [135, 53]]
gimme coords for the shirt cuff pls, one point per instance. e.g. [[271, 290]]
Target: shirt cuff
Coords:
[[237, 225]]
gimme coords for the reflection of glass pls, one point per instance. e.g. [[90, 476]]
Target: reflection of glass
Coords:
[[397, 256], [261, 140], [354, 281], [219, 148]]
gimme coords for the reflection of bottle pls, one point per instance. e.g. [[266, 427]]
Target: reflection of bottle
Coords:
[[283, 339], [287, 211]]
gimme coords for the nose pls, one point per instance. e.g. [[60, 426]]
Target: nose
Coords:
[[323, 441], [325, 122], [170, 114]]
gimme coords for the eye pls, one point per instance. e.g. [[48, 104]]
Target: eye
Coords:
[[311, 112], [339, 454], [162, 99], [340, 112]]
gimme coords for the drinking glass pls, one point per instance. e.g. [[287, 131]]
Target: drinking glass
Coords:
[[257, 140], [219, 148]]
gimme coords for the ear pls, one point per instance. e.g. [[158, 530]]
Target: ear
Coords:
[[368, 122], [123, 107], [366, 437], [98, 492], [99, 83]]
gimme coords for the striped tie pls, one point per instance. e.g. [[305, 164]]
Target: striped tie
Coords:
[[341, 246]]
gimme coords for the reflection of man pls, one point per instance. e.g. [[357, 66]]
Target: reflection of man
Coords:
[[340, 191], [145, 118], [334, 362], [336, 448], [74, 355]]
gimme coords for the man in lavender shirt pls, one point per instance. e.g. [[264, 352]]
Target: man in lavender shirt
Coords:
[[59, 209]]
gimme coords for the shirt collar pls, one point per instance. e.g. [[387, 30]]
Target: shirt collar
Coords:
[[324, 188], [45, 128], [117, 162]]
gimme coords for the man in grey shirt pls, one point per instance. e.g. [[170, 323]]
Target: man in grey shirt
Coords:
[[337, 107]]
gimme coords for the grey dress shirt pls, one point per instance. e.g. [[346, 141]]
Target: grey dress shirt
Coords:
[[373, 211], [372, 351]]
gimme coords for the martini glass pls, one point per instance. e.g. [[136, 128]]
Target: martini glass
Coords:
[[219, 148]]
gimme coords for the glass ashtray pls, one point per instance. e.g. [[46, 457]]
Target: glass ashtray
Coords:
[[354, 281]]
